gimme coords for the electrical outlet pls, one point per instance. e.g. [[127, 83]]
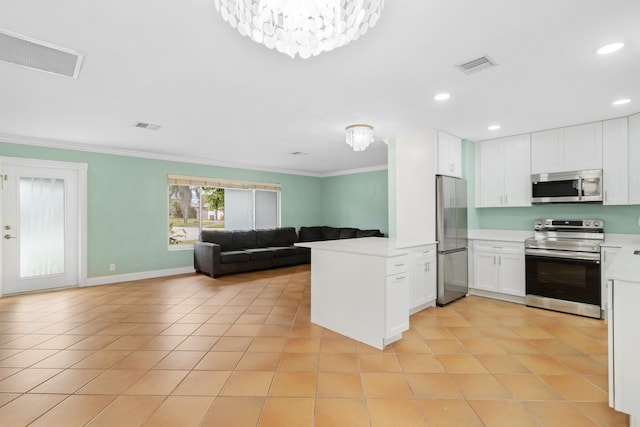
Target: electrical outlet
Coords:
[[112, 267]]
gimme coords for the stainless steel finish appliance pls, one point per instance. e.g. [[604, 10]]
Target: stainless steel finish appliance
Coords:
[[451, 234], [563, 266], [567, 187]]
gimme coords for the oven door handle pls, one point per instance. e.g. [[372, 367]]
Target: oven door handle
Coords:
[[587, 256]]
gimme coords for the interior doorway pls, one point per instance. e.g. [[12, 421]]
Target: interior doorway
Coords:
[[43, 219]]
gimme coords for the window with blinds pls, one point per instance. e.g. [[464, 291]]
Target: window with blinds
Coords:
[[197, 203]]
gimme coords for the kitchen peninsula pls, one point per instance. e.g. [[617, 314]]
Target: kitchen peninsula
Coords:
[[360, 288]]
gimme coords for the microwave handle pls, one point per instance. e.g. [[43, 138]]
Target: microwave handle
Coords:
[[580, 188]]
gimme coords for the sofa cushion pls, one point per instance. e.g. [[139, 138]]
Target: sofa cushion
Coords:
[[310, 234], [243, 239], [284, 251], [330, 233], [259, 254], [231, 257], [221, 237], [286, 236], [348, 233], [369, 233], [266, 238]]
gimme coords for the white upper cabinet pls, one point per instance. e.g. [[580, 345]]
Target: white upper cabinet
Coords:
[[615, 162], [503, 177], [583, 147], [547, 150], [449, 155], [567, 149], [634, 159]]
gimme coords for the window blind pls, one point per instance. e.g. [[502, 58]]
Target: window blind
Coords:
[[221, 183]]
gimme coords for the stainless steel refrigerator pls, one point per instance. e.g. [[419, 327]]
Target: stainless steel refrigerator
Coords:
[[451, 234]]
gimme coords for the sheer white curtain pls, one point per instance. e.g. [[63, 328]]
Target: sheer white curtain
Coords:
[[41, 226]]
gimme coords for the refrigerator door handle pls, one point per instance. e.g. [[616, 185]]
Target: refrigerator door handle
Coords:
[[453, 251]]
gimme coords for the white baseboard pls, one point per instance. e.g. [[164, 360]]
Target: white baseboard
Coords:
[[117, 278]]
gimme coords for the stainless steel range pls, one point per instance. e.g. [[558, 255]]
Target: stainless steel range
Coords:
[[563, 266]]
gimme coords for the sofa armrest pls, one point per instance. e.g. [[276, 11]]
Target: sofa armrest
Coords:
[[206, 258]]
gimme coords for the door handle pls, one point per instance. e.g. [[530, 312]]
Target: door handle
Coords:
[[8, 236]]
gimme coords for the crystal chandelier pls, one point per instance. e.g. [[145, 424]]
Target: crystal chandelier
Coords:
[[301, 27], [359, 136]]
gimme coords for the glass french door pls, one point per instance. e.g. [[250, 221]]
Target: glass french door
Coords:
[[40, 217]]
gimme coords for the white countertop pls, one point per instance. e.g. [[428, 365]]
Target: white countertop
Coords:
[[625, 266], [621, 240], [501, 235], [375, 246]]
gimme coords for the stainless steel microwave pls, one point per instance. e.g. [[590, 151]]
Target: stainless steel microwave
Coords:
[[567, 187]]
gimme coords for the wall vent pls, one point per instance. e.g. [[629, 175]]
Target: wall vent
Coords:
[[149, 126], [478, 64], [20, 50]]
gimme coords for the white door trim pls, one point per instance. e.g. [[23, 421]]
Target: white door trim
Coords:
[[81, 169]]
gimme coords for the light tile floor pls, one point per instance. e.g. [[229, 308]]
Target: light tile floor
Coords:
[[241, 351]]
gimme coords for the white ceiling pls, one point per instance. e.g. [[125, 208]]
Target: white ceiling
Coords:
[[223, 99]]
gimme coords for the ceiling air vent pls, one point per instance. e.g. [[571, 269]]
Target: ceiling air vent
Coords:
[[477, 64], [20, 50], [149, 126]]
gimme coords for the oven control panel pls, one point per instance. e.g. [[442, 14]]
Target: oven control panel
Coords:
[[568, 224]]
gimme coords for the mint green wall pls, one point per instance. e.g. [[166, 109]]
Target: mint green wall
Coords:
[[356, 200], [127, 205], [618, 219]]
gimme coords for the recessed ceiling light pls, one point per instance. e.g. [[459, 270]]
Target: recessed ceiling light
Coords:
[[610, 48], [494, 127], [442, 97], [621, 101]]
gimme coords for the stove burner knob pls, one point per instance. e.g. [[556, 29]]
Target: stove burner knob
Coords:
[[588, 223], [596, 223], [538, 223]]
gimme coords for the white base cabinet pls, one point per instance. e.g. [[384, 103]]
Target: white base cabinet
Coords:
[[499, 267], [624, 348], [423, 277], [607, 255]]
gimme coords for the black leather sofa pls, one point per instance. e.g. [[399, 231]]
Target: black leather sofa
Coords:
[[220, 252]]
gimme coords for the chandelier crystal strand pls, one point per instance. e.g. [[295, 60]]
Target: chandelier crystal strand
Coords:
[[301, 27], [359, 136]]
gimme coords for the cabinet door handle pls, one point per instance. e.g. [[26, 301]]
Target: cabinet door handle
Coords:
[[494, 260], [506, 199], [400, 278], [499, 260], [399, 265]]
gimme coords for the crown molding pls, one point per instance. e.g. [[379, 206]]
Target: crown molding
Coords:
[[65, 145]]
